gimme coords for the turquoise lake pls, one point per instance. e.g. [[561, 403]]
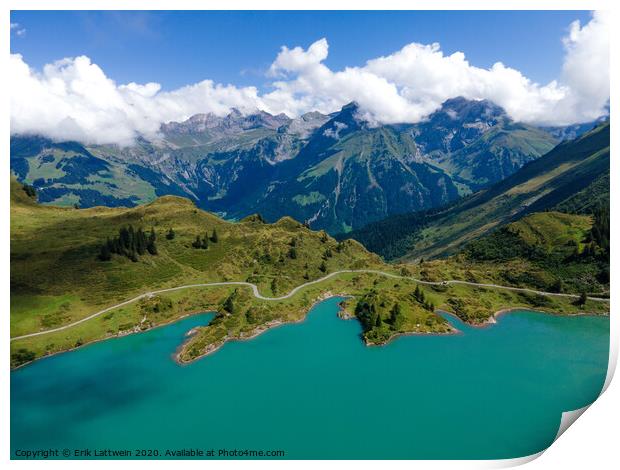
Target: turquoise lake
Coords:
[[314, 390]]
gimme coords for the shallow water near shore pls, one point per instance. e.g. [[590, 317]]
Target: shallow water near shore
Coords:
[[314, 390]]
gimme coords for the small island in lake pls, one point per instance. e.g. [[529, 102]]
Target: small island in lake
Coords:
[[84, 275]]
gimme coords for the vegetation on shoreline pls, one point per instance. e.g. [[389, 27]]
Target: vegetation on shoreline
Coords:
[[387, 312], [276, 257]]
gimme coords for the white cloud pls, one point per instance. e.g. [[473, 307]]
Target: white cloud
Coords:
[[17, 29], [74, 99]]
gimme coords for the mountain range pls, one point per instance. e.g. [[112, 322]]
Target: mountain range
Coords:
[[571, 178], [337, 172]]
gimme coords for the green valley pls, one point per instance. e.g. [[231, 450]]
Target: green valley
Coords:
[[573, 177], [58, 277]]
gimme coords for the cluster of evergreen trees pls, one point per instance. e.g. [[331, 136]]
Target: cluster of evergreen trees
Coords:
[[203, 242], [418, 296], [596, 243], [229, 303], [396, 316], [393, 236], [292, 251], [130, 243], [369, 316], [600, 231]]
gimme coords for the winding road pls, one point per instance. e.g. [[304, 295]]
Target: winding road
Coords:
[[258, 295]]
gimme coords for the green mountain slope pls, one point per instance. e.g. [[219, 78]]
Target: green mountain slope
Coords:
[[559, 249], [572, 170], [339, 172], [70, 264], [499, 153], [365, 176], [67, 243], [587, 200], [477, 143], [68, 173]]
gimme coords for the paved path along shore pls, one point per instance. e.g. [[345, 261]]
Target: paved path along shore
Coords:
[[258, 295]]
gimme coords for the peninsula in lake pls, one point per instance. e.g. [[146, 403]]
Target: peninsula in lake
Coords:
[[409, 227]]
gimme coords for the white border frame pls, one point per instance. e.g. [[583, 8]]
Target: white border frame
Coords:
[[591, 442]]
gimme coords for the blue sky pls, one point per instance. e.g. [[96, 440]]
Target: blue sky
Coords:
[[125, 73], [178, 48]]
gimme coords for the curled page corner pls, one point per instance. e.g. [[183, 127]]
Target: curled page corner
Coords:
[[516, 462], [568, 418]]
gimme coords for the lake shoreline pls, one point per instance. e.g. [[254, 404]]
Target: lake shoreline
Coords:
[[214, 347], [491, 320], [134, 331], [134, 385]]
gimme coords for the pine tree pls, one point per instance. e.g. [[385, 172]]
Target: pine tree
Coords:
[[105, 253], [117, 246], [292, 253], [323, 267], [140, 242], [378, 322], [131, 240], [416, 293], [395, 313], [150, 245], [197, 243], [583, 298], [229, 305], [205, 242], [214, 238], [170, 235], [123, 238]]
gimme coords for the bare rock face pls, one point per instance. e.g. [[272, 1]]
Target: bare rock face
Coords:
[[234, 122], [338, 171]]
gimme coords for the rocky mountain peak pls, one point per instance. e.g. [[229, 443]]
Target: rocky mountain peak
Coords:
[[305, 124], [345, 121], [234, 121], [457, 123], [463, 110]]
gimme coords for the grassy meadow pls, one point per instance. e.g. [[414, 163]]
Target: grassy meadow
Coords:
[[57, 278]]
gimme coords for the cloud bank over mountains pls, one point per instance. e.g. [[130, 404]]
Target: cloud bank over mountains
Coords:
[[73, 99]]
